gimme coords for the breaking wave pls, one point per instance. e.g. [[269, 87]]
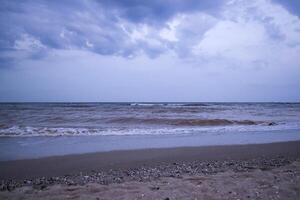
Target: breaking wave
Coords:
[[169, 104], [20, 131], [185, 122], [146, 118]]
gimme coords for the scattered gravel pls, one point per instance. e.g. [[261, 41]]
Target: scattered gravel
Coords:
[[147, 173]]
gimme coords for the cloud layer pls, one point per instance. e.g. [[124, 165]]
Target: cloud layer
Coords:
[[206, 39], [129, 28], [104, 27]]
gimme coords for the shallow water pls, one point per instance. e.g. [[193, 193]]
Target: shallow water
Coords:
[[14, 148]]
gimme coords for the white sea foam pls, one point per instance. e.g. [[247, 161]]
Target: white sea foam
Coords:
[[19, 131]]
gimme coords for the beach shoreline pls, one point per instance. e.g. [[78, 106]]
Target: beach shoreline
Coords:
[[126, 159], [149, 168], [19, 148]]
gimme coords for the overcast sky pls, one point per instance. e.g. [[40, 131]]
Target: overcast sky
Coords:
[[150, 50]]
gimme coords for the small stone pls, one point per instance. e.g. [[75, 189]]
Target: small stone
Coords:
[[154, 188], [40, 187], [43, 187]]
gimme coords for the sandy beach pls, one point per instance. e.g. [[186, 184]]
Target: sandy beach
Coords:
[[260, 171], [278, 183], [150, 99]]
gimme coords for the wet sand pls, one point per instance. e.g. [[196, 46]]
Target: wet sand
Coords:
[[69, 164], [16, 148], [227, 169]]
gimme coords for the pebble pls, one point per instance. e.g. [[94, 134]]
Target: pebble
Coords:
[[154, 188], [145, 173]]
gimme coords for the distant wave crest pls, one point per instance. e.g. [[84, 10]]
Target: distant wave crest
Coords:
[[185, 122], [169, 104]]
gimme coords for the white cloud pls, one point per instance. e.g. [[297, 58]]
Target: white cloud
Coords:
[[169, 32], [245, 36], [231, 40], [89, 44], [28, 43]]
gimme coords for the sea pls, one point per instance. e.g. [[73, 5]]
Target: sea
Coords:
[[29, 130]]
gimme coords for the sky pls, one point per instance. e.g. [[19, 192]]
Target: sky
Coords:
[[150, 50]]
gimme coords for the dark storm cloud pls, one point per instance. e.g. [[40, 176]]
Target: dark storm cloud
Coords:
[[292, 5], [157, 11], [91, 25]]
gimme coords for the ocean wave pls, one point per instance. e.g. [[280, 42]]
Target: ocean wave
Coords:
[[148, 104], [195, 104], [20, 131], [169, 104], [185, 122], [27, 131]]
